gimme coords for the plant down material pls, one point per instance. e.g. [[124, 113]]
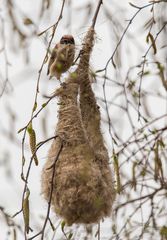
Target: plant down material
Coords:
[[82, 188], [91, 120]]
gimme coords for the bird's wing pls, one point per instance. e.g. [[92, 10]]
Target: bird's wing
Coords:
[[63, 53], [52, 58]]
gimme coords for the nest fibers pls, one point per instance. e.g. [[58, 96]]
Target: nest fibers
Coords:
[[81, 189]]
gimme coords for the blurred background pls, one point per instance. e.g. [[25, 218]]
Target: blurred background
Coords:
[[129, 78]]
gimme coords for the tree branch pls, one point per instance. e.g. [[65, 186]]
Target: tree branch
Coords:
[[96, 13]]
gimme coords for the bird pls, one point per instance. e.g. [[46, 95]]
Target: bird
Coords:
[[62, 57]]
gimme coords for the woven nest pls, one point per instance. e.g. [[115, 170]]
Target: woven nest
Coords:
[[82, 187]]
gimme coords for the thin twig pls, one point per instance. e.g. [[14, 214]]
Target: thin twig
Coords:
[[47, 52], [96, 13], [143, 65], [6, 80], [42, 232], [122, 36], [151, 195], [25, 179]]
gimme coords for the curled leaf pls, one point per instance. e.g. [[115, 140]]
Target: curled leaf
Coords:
[[161, 74], [63, 223], [52, 226], [113, 63], [70, 236], [150, 36], [28, 21]]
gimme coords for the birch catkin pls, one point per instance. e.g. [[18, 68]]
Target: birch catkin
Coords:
[[32, 141]]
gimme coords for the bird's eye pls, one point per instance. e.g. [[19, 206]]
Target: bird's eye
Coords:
[[64, 41], [72, 41], [67, 41]]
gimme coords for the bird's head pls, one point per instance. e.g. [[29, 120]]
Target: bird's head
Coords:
[[67, 39]]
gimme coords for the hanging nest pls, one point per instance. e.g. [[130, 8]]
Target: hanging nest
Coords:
[[78, 182], [91, 121]]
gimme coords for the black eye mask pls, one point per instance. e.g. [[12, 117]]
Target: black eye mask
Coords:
[[67, 41]]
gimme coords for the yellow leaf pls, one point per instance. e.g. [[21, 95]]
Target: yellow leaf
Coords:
[[28, 21]]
